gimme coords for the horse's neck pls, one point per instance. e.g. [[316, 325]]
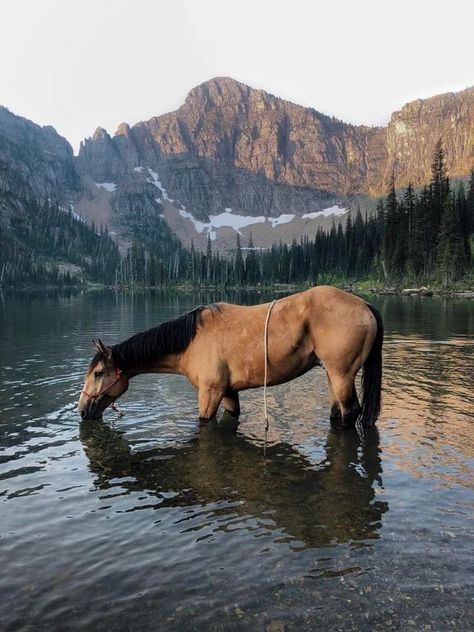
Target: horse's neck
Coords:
[[170, 363]]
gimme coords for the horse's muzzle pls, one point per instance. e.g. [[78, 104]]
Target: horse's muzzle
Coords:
[[94, 408], [86, 415]]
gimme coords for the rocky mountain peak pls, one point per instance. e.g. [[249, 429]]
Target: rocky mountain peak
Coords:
[[217, 92], [233, 146], [100, 134], [123, 130]]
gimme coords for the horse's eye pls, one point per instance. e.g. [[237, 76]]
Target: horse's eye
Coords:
[[98, 373]]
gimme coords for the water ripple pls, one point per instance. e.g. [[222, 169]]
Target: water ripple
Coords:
[[153, 519]]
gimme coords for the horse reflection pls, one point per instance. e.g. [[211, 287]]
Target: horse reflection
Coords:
[[330, 503]]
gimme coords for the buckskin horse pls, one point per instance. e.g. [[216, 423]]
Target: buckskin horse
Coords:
[[221, 349]]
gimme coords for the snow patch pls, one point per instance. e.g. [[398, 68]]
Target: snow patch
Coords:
[[156, 181], [237, 222], [227, 218], [108, 186], [199, 226], [331, 210], [281, 219], [138, 169]]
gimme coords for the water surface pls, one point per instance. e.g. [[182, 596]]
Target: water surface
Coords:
[[153, 521]]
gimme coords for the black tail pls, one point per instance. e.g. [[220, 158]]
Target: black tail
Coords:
[[372, 376]]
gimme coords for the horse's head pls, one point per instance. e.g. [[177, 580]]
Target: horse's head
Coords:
[[104, 383]]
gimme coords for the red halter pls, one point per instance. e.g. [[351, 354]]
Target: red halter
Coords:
[[118, 374]]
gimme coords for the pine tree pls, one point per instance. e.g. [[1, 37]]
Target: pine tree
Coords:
[[409, 207], [439, 190], [470, 213], [451, 253], [208, 260], [462, 211], [251, 265], [239, 263], [390, 229]]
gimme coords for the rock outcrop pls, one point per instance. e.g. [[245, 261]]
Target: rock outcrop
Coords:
[[414, 130]]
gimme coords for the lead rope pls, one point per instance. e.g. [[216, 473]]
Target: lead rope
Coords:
[[265, 347], [117, 410]]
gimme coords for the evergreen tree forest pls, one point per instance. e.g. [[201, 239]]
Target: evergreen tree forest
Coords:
[[48, 245], [416, 238]]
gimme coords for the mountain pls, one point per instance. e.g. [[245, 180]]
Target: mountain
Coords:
[[42, 239], [231, 160], [251, 160]]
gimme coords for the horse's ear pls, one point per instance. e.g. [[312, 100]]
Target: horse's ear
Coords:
[[103, 348]]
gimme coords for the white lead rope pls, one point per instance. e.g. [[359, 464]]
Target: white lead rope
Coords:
[[265, 347]]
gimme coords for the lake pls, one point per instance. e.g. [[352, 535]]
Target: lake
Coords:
[[153, 522]]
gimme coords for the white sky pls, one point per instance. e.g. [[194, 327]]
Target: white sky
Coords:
[[78, 64]]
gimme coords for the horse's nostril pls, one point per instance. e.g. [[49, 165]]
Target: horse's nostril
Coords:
[[83, 413]]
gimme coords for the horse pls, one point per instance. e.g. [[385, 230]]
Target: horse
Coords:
[[223, 349]]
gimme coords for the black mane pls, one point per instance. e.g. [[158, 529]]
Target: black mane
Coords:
[[172, 336]]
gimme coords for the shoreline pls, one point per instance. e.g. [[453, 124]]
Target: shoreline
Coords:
[[363, 288]]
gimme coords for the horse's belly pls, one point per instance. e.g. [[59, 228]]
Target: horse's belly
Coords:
[[294, 368], [280, 372]]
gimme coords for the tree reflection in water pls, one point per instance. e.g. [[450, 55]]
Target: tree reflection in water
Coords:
[[316, 505]]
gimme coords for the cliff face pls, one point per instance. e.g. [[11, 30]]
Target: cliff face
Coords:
[[232, 146], [413, 131], [35, 160]]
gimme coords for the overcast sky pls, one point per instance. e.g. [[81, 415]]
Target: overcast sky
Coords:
[[80, 64]]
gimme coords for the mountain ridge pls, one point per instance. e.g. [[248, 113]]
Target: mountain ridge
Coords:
[[231, 159], [291, 102], [237, 127]]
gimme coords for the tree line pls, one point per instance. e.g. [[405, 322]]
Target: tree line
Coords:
[[419, 237]]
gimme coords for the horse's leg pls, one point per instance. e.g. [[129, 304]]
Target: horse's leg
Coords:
[[356, 407], [334, 411], [209, 398], [231, 403], [346, 397]]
